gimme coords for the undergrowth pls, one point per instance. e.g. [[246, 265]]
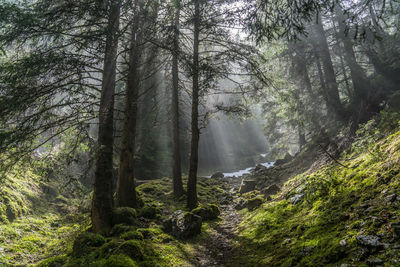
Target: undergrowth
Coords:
[[338, 203]]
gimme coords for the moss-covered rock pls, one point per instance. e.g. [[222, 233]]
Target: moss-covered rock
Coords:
[[119, 260], [124, 215], [183, 224], [119, 229], [109, 248], [57, 261], [86, 243], [135, 249], [132, 235], [207, 212], [149, 211], [254, 203]]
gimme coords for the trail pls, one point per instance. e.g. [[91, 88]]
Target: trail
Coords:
[[219, 249]]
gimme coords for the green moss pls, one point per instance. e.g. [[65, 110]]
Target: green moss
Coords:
[[119, 260], [109, 248], [149, 211], [86, 243], [124, 215], [119, 229], [207, 212], [132, 235], [133, 248], [57, 261], [339, 204]]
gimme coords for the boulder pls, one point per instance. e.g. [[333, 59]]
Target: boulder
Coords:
[[247, 186], [217, 175], [260, 168], [286, 159], [241, 204], [375, 262], [85, 243], [254, 203], [271, 190], [183, 224], [207, 212], [296, 198], [369, 241], [124, 215]]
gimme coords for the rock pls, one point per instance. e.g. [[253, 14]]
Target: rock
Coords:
[[343, 242], [286, 159], [207, 212], [369, 241], [296, 198], [287, 241], [183, 224], [260, 168], [395, 227], [241, 204], [390, 198], [374, 262], [124, 215], [217, 175], [49, 190], [85, 243], [271, 190], [247, 186], [226, 199], [254, 203], [384, 192]]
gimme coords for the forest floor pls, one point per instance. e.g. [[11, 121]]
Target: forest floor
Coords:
[[218, 249]]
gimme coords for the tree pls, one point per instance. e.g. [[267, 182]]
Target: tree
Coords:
[[126, 192], [194, 150], [176, 156], [102, 203]]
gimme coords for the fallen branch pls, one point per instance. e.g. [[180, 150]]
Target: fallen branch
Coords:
[[332, 157]]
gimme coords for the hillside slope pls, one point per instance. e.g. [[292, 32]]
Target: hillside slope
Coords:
[[344, 212]]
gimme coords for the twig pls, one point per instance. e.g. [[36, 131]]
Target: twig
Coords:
[[332, 157]]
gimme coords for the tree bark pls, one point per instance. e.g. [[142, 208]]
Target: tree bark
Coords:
[[358, 77], [194, 157], [102, 204], [332, 90], [176, 155], [126, 192]]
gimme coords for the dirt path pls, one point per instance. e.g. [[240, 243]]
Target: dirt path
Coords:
[[219, 249]]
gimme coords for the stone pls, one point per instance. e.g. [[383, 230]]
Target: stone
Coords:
[[124, 215], [296, 199], [369, 241], [207, 212], [260, 168], [254, 203], [183, 224], [287, 241], [217, 175], [374, 262], [390, 198], [271, 190], [395, 227], [241, 204], [286, 159], [247, 186]]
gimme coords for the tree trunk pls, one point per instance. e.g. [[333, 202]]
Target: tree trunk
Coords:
[[102, 204], [332, 90], [176, 156], [126, 192], [194, 157], [358, 77]]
